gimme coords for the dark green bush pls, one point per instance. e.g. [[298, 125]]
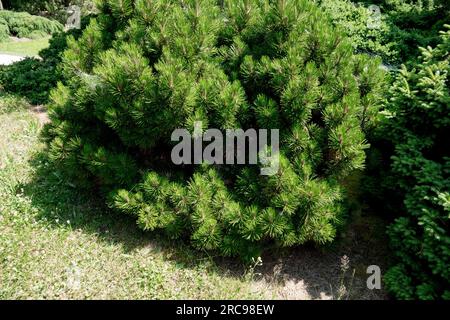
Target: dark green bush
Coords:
[[30, 78], [145, 68], [418, 126]]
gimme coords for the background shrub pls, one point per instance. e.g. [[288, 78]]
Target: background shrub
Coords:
[[4, 30], [54, 9], [33, 78], [25, 25], [418, 127], [29, 78], [145, 68], [354, 21], [405, 25]]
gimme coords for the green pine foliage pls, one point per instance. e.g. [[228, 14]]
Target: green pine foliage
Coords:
[[419, 128], [144, 68]]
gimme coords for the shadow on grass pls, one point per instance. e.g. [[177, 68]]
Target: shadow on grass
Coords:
[[10, 103], [299, 273], [60, 203]]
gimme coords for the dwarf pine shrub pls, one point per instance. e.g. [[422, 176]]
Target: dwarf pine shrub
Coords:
[[145, 68]]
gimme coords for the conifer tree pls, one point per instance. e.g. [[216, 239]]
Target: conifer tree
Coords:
[[419, 129], [147, 67]]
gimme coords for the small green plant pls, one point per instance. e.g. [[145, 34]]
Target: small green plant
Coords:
[[344, 289], [251, 273]]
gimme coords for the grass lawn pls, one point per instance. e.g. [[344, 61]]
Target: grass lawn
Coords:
[[57, 242], [26, 48]]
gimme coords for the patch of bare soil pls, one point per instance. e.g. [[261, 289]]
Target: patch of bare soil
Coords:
[[41, 114], [16, 39], [339, 272]]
